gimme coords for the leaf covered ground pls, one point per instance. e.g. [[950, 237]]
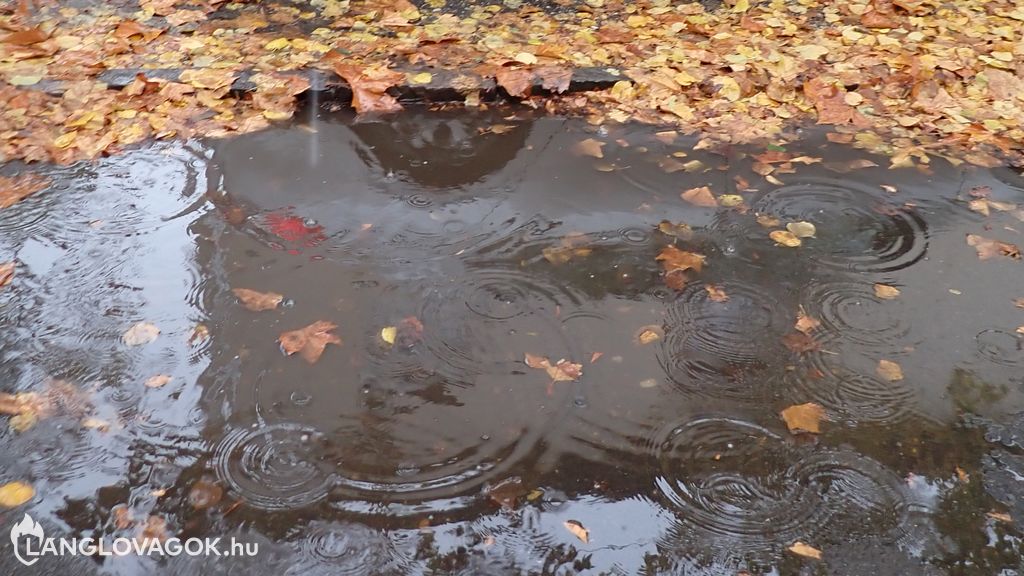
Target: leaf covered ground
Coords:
[[909, 78]]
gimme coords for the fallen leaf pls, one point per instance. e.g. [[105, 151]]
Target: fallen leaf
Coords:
[[802, 229], [730, 200], [199, 335], [716, 294], [800, 342], [804, 417], [577, 530], [421, 78], [988, 248], [369, 87], [92, 423], [157, 381], [589, 147], [785, 238], [805, 323], [673, 259], [15, 494], [648, 334], [562, 371], [768, 221], [13, 190], [25, 37], [681, 230], [258, 301], [1019, 302], [802, 549], [155, 528], [122, 516], [388, 334], [889, 370], [595, 356], [204, 494], [701, 196], [1000, 517], [886, 292], [141, 333], [6, 273], [526, 58], [310, 341], [516, 81], [24, 421]]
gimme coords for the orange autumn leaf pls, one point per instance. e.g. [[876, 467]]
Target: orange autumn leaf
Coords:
[[516, 81], [675, 260], [13, 190], [369, 86], [258, 301], [6, 273], [805, 323], [561, 371], [310, 341], [716, 294], [889, 370], [578, 530], [701, 196], [805, 550], [804, 417]]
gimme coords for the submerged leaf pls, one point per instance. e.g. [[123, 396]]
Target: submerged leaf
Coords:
[[562, 371], [673, 259], [589, 147], [258, 301], [886, 292], [804, 417], [889, 370], [988, 248], [141, 333], [802, 229], [13, 190], [310, 341]]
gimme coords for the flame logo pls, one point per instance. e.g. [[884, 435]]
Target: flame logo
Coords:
[[27, 527]]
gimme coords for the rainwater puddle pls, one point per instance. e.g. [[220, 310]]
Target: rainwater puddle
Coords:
[[442, 451]]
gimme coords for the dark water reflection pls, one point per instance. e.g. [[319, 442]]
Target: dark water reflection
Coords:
[[394, 459]]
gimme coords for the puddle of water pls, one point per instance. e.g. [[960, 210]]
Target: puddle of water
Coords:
[[393, 458]]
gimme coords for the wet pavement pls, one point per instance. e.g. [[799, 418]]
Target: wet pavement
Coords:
[[443, 452]]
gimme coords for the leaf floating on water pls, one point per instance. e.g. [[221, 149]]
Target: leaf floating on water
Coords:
[[92, 423], [730, 200], [805, 323], [716, 294], [577, 530], [768, 221], [141, 333], [988, 248], [701, 196], [673, 259], [804, 417], [204, 494], [648, 334], [1019, 302], [310, 341], [157, 381], [15, 494], [804, 550], [6, 273], [590, 147], [785, 238], [681, 230], [22, 422], [562, 371], [199, 335], [258, 301], [388, 334], [802, 229], [889, 370], [886, 292]]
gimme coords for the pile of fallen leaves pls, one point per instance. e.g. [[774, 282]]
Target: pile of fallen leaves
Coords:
[[910, 78]]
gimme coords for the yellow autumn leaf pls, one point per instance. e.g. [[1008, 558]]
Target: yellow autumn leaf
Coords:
[[421, 78], [15, 494], [577, 530], [889, 370], [886, 292], [785, 238], [388, 334], [804, 417], [277, 44], [805, 550]]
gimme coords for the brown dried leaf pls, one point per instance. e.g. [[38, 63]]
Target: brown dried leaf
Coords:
[[310, 341], [25, 37], [889, 370], [800, 342], [204, 494], [805, 323], [369, 87], [562, 371], [258, 301], [516, 81], [716, 294], [13, 190], [988, 248], [577, 530], [555, 78], [589, 147], [886, 292], [804, 550], [804, 417], [673, 259], [701, 196]]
